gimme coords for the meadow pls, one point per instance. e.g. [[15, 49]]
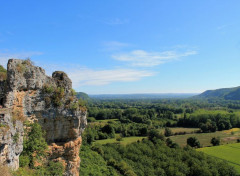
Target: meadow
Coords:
[[226, 137], [229, 153]]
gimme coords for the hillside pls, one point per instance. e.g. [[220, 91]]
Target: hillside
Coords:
[[224, 93]]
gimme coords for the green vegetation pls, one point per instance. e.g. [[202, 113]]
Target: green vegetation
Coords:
[[205, 138], [15, 137], [3, 73], [21, 67], [215, 141], [193, 142], [149, 158], [226, 93], [229, 153], [33, 160], [34, 146], [149, 136]]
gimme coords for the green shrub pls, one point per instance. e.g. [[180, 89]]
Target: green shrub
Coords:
[[55, 168], [34, 145], [24, 161], [15, 138], [73, 92], [48, 89], [58, 95]]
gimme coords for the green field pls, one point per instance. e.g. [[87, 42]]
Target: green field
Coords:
[[180, 129], [229, 153], [125, 140], [227, 136]]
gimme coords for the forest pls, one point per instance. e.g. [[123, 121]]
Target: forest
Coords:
[[141, 137]]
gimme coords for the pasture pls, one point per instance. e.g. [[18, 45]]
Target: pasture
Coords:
[[229, 153]]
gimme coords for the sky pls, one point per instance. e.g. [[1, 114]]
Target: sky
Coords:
[[127, 46]]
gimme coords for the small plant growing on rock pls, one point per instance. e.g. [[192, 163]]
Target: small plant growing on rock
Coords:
[[4, 128], [15, 138], [21, 68], [58, 95], [73, 92], [48, 89], [27, 61], [3, 73], [18, 115]]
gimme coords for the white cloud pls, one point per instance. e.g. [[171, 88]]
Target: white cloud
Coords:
[[143, 58], [4, 57], [85, 76], [114, 45]]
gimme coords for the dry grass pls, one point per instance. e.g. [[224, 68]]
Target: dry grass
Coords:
[[17, 114], [5, 171], [4, 129]]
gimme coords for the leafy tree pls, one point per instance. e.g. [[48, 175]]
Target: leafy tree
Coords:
[[154, 135], [168, 132], [193, 142], [34, 146], [215, 141]]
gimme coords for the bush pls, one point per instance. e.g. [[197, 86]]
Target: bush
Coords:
[[15, 137], [168, 132], [34, 145], [215, 141], [24, 161], [55, 168], [193, 142], [154, 135], [48, 89]]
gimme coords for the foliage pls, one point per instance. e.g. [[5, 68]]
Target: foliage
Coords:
[[15, 137], [193, 142], [215, 141], [168, 132], [93, 164], [3, 73], [154, 135], [34, 146], [148, 158]]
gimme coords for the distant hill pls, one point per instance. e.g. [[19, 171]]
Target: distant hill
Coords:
[[225, 93], [143, 96], [82, 95]]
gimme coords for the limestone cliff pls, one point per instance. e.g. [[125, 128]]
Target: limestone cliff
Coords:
[[29, 94]]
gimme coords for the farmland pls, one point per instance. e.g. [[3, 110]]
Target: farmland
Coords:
[[229, 153], [226, 136]]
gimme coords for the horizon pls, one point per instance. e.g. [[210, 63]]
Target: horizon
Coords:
[[116, 47]]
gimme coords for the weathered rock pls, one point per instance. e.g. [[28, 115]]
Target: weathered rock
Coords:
[[32, 95]]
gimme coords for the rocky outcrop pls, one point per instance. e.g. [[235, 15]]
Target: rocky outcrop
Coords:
[[32, 95]]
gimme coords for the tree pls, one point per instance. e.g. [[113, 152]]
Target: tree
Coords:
[[154, 135], [167, 132], [34, 146], [215, 141], [193, 142]]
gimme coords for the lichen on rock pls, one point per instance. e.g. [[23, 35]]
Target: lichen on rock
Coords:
[[30, 94]]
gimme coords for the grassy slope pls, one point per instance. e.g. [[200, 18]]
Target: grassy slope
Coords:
[[205, 138], [229, 153]]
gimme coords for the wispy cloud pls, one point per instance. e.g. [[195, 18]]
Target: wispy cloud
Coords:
[[4, 57], [85, 76], [143, 58], [116, 21], [114, 45]]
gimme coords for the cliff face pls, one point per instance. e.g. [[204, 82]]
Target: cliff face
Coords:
[[33, 96]]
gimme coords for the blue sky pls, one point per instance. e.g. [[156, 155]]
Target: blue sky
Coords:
[[131, 46]]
